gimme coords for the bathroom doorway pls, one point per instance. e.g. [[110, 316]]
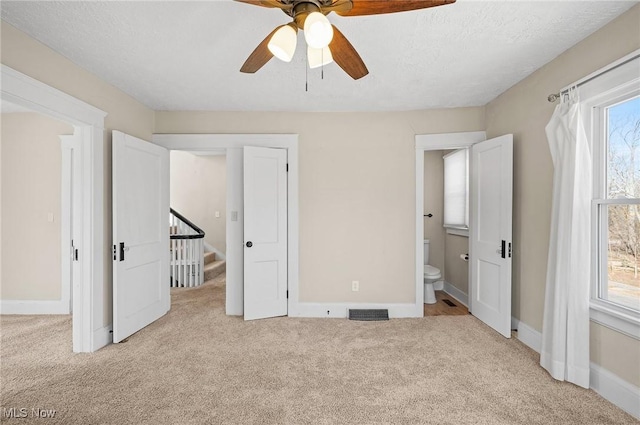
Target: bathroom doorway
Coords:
[[446, 233], [485, 217]]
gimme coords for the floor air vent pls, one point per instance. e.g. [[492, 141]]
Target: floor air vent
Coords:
[[449, 303], [368, 315]]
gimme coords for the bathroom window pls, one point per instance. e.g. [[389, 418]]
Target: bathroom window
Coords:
[[612, 114], [456, 192]]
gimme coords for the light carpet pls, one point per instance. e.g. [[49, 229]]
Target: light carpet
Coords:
[[198, 366]]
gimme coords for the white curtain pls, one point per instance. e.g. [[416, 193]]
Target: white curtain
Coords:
[[565, 332]]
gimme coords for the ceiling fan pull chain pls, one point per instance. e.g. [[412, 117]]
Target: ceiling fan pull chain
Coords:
[[306, 72], [322, 62]]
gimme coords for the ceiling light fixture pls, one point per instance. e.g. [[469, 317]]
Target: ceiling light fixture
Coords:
[[283, 43], [319, 57], [317, 30], [309, 16]]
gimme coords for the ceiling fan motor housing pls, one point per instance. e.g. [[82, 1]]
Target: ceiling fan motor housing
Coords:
[[302, 9]]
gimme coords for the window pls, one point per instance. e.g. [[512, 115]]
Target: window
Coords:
[[612, 114], [456, 191], [619, 222]]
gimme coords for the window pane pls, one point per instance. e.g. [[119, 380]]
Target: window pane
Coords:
[[623, 164], [623, 246], [456, 189]]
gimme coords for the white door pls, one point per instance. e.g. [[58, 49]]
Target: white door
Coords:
[[265, 232], [490, 232], [140, 234]]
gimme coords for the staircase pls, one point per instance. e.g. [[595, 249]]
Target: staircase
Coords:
[[190, 266], [213, 267]]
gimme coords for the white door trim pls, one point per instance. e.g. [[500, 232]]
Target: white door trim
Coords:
[[88, 122], [71, 151], [212, 142], [427, 142]]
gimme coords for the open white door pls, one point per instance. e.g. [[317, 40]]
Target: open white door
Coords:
[[140, 234], [490, 232], [265, 232]]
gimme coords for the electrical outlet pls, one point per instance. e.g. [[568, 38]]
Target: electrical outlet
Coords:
[[355, 285]]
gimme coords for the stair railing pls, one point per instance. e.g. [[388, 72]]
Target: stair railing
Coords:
[[187, 251]]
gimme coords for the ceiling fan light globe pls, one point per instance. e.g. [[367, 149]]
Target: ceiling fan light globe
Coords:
[[283, 43], [318, 31], [319, 57]]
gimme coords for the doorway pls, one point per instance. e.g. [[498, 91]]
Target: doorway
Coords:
[[233, 145], [197, 194], [36, 271], [489, 222], [88, 124], [446, 231]]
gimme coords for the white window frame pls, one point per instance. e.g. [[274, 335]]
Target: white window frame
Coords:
[[618, 82]]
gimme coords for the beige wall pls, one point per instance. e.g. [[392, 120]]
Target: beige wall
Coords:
[[456, 269], [198, 190], [31, 163], [24, 54], [524, 111], [357, 192], [434, 204]]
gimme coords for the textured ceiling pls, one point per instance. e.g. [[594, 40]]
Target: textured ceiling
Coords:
[[186, 55]]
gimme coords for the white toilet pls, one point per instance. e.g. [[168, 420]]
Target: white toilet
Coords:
[[431, 275]]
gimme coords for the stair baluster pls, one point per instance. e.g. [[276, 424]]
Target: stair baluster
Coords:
[[187, 252]]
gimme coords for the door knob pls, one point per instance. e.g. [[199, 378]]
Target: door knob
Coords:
[[249, 244]]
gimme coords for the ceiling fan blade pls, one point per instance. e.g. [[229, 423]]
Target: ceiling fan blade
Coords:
[[345, 55], [339, 6], [376, 7], [260, 56], [267, 3]]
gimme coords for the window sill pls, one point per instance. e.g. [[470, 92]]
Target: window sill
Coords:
[[606, 315], [457, 232]]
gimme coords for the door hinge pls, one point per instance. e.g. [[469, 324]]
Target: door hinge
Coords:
[[287, 167], [509, 249], [74, 252], [287, 294], [114, 253]]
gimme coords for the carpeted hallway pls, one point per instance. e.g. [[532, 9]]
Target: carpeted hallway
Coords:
[[198, 366]]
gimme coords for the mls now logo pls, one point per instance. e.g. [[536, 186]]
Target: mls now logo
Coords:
[[23, 412]]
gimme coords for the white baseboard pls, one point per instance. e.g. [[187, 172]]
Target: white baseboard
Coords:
[[341, 310], [611, 387], [102, 337], [34, 307], [618, 391], [456, 293], [210, 248], [527, 335]]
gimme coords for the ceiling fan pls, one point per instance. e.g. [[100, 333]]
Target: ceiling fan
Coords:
[[325, 43]]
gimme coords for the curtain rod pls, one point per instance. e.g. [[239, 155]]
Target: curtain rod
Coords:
[[620, 62]]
